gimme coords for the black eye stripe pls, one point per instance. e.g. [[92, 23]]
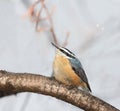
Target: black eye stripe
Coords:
[[69, 51], [69, 55]]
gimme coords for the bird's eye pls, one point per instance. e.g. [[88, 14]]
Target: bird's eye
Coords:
[[67, 53], [63, 51]]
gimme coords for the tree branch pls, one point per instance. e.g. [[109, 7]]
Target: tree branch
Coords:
[[11, 83]]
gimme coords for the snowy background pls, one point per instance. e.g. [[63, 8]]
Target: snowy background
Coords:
[[94, 27]]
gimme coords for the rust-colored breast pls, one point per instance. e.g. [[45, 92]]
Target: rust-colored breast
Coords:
[[64, 73]]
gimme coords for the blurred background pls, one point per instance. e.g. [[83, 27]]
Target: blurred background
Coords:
[[94, 36]]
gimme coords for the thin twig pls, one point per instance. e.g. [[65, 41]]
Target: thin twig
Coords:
[[36, 17], [66, 39]]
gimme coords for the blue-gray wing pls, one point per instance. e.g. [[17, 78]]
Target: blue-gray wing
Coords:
[[77, 67]]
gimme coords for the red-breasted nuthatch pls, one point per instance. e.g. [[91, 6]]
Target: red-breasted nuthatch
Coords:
[[68, 69]]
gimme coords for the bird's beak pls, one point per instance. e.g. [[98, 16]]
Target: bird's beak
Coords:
[[55, 45]]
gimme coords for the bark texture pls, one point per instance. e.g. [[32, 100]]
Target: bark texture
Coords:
[[12, 83]]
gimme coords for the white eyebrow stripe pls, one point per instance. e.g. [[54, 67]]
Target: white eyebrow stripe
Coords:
[[68, 52]]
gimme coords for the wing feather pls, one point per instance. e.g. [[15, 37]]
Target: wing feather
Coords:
[[77, 67]]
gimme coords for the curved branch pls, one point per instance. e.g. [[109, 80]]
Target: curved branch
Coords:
[[11, 83]]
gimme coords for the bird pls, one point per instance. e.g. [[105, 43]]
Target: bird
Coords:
[[68, 70]]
